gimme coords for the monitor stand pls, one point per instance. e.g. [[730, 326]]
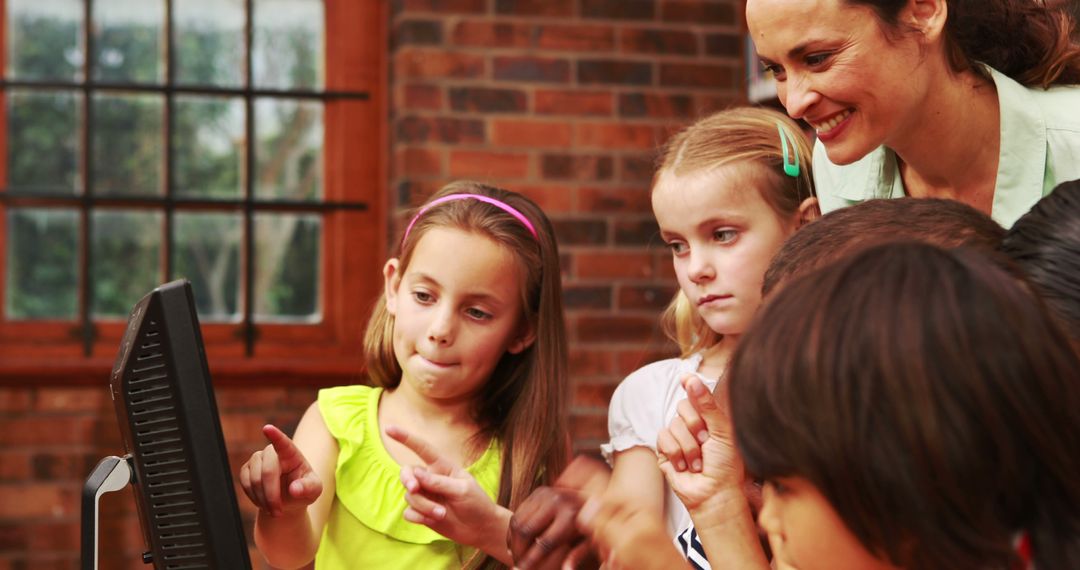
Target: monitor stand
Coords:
[[111, 474]]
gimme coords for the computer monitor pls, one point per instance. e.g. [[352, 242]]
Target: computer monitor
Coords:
[[175, 456]]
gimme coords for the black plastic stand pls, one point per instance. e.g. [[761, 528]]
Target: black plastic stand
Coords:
[[111, 474]]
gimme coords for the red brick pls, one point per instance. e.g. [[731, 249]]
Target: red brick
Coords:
[[698, 12], [483, 33], [637, 168], [15, 399], [593, 395], [724, 44], [576, 167], [619, 9], [439, 129], [584, 426], [550, 8], [248, 398], [37, 500], [698, 75], [45, 430], [429, 64], [708, 103], [586, 297], [657, 105], [576, 231], [641, 231], [615, 71], [70, 399], [486, 165], [528, 133], [576, 38], [591, 362], [416, 97], [579, 103], [420, 162], [615, 136], [529, 68], [617, 329], [664, 269], [615, 200], [552, 199], [417, 32], [645, 297], [649, 41], [54, 537], [614, 265], [244, 430], [14, 465], [488, 100], [445, 6], [627, 361], [412, 193]]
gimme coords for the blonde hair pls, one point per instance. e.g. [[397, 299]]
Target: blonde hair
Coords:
[[740, 134], [524, 402]]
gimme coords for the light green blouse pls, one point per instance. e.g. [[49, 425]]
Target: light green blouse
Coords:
[[365, 528], [1040, 148]]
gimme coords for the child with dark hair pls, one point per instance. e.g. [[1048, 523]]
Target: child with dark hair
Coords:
[[945, 223], [919, 413], [1045, 243]]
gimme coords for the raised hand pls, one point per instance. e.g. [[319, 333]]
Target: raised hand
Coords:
[[446, 498], [543, 531], [278, 479], [697, 452]]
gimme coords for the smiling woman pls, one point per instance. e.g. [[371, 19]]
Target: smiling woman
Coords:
[[922, 98]]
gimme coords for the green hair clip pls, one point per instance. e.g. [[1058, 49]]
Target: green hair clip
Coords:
[[791, 168]]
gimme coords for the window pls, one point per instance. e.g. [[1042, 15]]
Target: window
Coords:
[[235, 143]]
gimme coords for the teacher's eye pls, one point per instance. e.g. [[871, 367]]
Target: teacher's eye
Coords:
[[725, 236], [816, 59], [777, 71]]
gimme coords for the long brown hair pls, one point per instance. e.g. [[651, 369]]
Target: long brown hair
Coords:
[[739, 134], [1039, 50], [524, 403], [930, 399]]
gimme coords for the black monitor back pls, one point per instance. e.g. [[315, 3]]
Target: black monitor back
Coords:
[[169, 423]]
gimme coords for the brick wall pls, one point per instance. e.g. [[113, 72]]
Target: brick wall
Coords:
[[564, 100]]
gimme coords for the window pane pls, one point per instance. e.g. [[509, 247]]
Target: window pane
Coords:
[[287, 49], [209, 147], [209, 42], [207, 252], [125, 259], [42, 264], [43, 140], [128, 43], [288, 249], [289, 154], [44, 39], [127, 144]]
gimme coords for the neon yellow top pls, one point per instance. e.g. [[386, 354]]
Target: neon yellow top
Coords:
[[365, 528]]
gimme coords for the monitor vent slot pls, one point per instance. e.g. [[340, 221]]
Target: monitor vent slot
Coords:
[[166, 477]]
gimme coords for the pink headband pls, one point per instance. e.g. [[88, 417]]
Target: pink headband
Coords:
[[497, 203]]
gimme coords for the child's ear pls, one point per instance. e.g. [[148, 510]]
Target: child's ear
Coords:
[[523, 340], [391, 281], [809, 210]]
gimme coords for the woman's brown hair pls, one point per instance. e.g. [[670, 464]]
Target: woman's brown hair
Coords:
[[739, 134], [931, 400], [1038, 50], [524, 403]]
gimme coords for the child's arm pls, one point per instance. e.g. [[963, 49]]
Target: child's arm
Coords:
[[292, 483], [446, 498], [628, 536], [699, 458]]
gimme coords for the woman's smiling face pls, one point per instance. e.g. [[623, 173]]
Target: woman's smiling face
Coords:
[[838, 68]]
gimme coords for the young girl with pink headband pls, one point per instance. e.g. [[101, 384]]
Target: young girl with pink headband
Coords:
[[466, 354]]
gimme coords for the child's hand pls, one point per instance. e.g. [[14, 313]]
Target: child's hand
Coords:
[[445, 497], [278, 479], [628, 537], [697, 451], [543, 532]]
